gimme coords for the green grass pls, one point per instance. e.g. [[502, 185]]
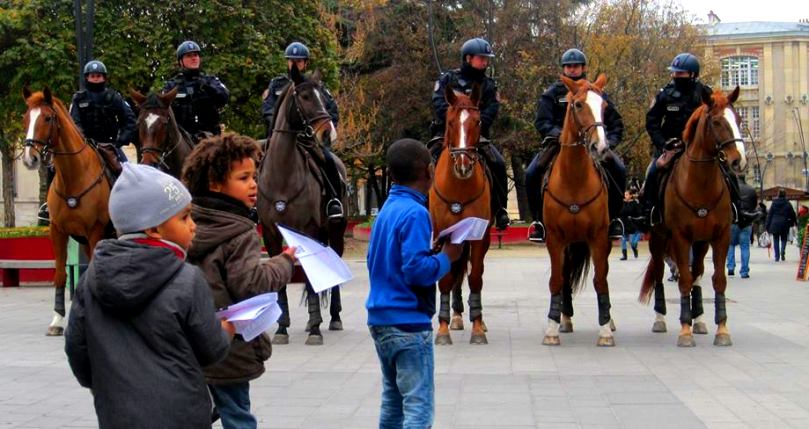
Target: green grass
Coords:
[[25, 231]]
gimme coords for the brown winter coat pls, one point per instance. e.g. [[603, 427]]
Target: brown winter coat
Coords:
[[228, 250]]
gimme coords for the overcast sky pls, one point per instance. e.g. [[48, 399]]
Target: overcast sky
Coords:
[[748, 10]]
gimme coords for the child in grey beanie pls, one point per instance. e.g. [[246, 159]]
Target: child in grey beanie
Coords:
[[145, 197]]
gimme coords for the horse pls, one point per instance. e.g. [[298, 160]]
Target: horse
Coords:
[[164, 144], [576, 211], [461, 189], [697, 213], [290, 190], [78, 196]]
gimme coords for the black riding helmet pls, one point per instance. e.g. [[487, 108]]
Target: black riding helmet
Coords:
[[476, 46], [296, 51], [574, 56], [95, 66], [685, 62], [187, 47]]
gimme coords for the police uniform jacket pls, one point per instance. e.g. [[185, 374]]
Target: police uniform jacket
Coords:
[[103, 116], [276, 88], [552, 107], [669, 113], [463, 81], [198, 101]]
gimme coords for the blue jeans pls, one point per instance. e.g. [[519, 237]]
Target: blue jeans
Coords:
[[779, 244], [633, 239], [408, 390], [233, 403], [740, 237]]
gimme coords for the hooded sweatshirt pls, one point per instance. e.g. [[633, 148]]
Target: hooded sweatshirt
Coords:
[[142, 326]]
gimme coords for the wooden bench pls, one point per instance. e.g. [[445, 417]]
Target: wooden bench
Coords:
[[10, 269]]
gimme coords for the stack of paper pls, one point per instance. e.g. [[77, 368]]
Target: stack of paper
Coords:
[[467, 229], [323, 267], [253, 316]]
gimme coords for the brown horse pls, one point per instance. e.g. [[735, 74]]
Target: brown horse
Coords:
[[461, 189], [163, 144], [290, 190], [577, 213], [78, 196], [697, 213]]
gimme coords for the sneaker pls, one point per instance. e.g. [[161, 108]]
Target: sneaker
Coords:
[[782, 258], [536, 232], [616, 229], [501, 220], [745, 276], [730, 272], [334, 209]]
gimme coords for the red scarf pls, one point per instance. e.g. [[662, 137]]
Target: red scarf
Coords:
[[160, 243]]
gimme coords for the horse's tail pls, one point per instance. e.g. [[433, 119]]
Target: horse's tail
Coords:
[[653, 268], [577, 258]]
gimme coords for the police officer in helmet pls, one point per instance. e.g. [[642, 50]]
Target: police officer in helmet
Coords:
[[475, 56], [297, 54], [550, 117], [200, 97]]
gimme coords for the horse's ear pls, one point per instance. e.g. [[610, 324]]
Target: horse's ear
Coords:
[[295, 74], [475, 96], [449, 94], [569, 83], [317, 76], [26, 93], [137, 96], [734, 95], [167, 97], [706, 96], [48, 97], [601, 82]]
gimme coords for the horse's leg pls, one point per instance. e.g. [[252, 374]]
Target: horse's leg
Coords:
[[657, 248], [699, 250], [315, 338], [477, 254], [600, 251], [336, 242], [456, 324], [720, 282], [445, 286], [59, 242], [335, 307], [273, 245], [556, 253], [680, 250], [566, 324]]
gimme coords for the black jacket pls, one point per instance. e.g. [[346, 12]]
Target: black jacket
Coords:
[[198, 101], [630, 213], [669, 113], [780, 217], [103, 116], [277, 85], [749, 203], [462, 80], [141, 328], [552, 107]]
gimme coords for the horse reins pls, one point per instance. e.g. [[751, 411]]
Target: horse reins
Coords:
[[164, 154]]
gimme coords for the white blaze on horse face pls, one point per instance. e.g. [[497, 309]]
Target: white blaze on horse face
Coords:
[[595, 101], [150, 120], [332, 129], [730, 117], [462, 134], [33, 115]]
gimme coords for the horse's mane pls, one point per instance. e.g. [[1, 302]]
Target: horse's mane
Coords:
[[38, 99], [278, 103], [720, 101]]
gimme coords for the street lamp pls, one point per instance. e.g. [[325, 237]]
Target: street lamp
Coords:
[[758, 176], [797, 115]]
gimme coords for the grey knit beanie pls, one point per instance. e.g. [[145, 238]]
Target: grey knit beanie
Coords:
[[145, 197]]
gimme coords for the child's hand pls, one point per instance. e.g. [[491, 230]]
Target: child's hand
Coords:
[[453, 251], [290, 251], [228, 327]]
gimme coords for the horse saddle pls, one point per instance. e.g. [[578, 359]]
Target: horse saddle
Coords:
[[108, 156], [674, 148]]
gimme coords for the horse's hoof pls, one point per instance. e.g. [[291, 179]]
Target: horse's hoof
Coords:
[[566, 327], [443, 340], [55, 331], [606, 342], [686, 341], [336, 325], [551, 340], [722, 340], [478, 339], [612, 325], [456, 324], [483, 326], [280, 339], [314, 340], [700, 328], [659, 326]]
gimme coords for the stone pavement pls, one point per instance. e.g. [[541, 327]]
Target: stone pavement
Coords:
[[514, 382]]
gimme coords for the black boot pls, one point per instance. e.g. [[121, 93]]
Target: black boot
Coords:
[[623, 254], [635, 251], [334, 207], [501, 220], [497, 167]]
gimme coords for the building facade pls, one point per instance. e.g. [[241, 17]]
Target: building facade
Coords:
[[769, 61]]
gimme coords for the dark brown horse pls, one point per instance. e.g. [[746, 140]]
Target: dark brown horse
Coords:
[[163, 144], [78, 196], [461, 189], [576, 211], [696, 214], [290, 190]]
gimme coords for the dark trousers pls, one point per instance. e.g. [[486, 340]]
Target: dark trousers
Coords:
[[332, 175], [779, 244]]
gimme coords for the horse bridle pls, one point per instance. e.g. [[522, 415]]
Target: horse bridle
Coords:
[[719, 144], [308, 130], [583, 132], [47, 145], [163, 154], [473, 153]]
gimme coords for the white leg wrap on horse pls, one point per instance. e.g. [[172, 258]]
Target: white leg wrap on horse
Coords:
[[697, 281], [553, 328], [605, 331], [659, 317], [58, 320], [700, 319]]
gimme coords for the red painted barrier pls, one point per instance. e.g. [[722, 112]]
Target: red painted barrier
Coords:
[[29, 248]]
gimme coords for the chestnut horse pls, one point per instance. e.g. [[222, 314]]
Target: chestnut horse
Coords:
[[461, 189], [163, 143], [290, 190], [697, 213], [576, 211], [78, 196]]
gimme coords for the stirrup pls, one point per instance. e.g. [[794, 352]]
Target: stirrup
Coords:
[[334, 202], [47, 214], [612, 225], [534, 233], [653, 216]]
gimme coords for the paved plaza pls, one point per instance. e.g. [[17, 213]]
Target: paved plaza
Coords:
[[762, 381]]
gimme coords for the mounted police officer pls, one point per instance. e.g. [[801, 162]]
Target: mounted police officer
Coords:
[[103, 117], [475, 57], [550, 117], [665, 122], [297, 54], [200, 97]]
